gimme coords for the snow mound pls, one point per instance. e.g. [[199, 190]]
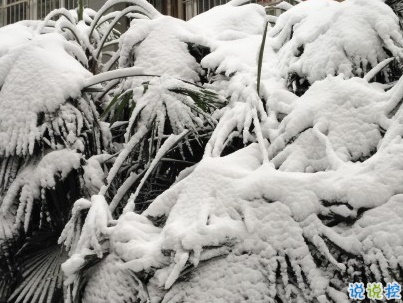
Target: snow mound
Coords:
[[109, 283], [159, 46], [229, 22], [12, 36]]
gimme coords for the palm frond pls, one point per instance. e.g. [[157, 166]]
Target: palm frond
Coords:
[[41, 277], [155, 110]]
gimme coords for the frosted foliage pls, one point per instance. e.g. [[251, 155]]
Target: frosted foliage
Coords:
[[6, 227], [109, 283], [319, 38], [93, 173], [44, 59], [315, 202], [226, 22], [95, 227], [162, 49], [244, 213], [341, 115], [233, 56], [28, 185], [160, 103], [13, 36], [137, 242], [88, 239], [234, 37], [247, 271]]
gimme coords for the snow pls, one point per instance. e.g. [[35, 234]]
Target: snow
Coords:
[[94, 229], [94, 174], [13, 36], [319, 38], [162, 51], [233, 222], [168, 144], [343, 116], [238, 55], [109, 283], [284, 6], [114, 74], [313, 201], [225, 22], [44, 59], [27, 187], [137, 242], [230, 201]]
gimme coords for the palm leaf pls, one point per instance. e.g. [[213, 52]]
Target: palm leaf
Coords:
[[41, 276]]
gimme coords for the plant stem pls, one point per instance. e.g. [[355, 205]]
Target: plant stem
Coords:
[[260, 59], [80, 9]]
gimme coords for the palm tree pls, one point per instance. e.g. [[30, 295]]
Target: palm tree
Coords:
[[62, 156], [284, 219], [175, 164]]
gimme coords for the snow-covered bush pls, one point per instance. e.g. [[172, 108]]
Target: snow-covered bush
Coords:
[[207, 164]]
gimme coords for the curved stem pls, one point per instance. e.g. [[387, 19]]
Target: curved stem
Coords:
[[260, 59], [57, 12], [148, 9], [117, 18], [116, 74]]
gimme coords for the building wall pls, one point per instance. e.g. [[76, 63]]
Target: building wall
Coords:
[[15, 10], [12, 11], [95, 4], [186, 9]]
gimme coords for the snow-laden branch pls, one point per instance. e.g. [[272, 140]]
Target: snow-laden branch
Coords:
[[164, 149], [116, 74], [372, 73]]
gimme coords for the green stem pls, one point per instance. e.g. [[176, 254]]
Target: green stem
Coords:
[[260, 59], [80, 9]]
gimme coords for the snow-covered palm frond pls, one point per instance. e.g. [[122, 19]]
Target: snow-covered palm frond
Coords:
[[99, 279], [37, 78], [325, 122], [43, 85], [325, 210], [319, 38], [106, 24], [165, 99], [47, 127], [314, 205], [234, 70], [46, 215], [85, 240], [148, 109], [32, 181], [156, 109], [84, 279], [147, 44], [241, 118]]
